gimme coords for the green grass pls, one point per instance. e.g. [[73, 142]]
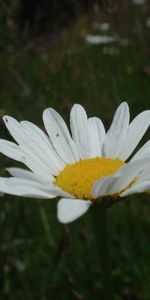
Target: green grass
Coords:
[[61, 261]]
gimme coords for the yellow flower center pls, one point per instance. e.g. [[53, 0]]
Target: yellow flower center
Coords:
[[78, 178]]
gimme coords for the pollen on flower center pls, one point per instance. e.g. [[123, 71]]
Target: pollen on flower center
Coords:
[[78, 178]]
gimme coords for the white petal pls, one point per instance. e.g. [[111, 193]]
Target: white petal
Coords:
[[102, 187], [25, 174], [26, 138], [36, 149], [11, 150], [96, 136], [113, 184], [143, 152], [29, 188], [137, 188], [35, 157], [25, 188], [144, 177], [60, 136], [127, 174], [43, 141], [79, 129], [117, 132], [146, 172], [69, 210], [36, 164], [135, 132], [13, 127]]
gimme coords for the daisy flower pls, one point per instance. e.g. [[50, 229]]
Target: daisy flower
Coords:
[[86, 167]]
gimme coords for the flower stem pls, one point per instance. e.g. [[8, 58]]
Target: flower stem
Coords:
[[99, 219]]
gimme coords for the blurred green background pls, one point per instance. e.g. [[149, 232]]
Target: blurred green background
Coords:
[[46, 60]]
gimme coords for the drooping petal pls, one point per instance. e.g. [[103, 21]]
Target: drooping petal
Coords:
[[135, 132], [69, 210], [117, 132], [96, 137], [60, 136], [79, 129]]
